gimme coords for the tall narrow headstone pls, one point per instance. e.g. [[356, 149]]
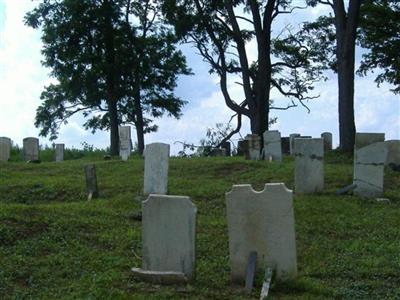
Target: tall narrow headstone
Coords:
[[5, 148], [309, 165], [91, 181], [327, 137], [254, 146], [272, 145], [285, 141], [291, 141], [369, 164], [31, 149], [363, 139], [156, 158], [125, 142], [262, 222], [243, 148], [168, 234], [59, 152], [227, 147]]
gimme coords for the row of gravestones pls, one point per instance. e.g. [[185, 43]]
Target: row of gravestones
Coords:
[[260, 222], [31, 147]]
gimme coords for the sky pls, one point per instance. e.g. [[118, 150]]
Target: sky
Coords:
[[23, 78]]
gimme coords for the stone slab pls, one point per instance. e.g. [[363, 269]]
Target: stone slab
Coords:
[[309, 165], [272, 145], [5, 148], [254, 147], [31, 149], [327, 137], [363, 139], [262, 222], [285, 142], [291, 141], [157, 277], [368, 173], [91, 181], [59, 152], [393, 155], [156, 160], [125, 142], [168, 234]]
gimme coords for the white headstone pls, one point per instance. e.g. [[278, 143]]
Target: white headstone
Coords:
[[5, 148], [262, 222], [309, 165], [125, 142], [327, 137], [31, 148], [272, 145], [368, 174], [254, 146], [59, 152], [156, 158], [168, 234], [291, 142]]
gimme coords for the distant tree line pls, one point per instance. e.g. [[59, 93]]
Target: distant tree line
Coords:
[[117, 60]]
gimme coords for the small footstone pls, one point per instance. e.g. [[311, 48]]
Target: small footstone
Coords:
[[91, 182]]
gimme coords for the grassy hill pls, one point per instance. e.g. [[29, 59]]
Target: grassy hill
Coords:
[[56, 245]]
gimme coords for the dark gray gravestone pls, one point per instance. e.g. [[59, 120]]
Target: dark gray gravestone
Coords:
[[227, 147], [91, 181], [285, 142]]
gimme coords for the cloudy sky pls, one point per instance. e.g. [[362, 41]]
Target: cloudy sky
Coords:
[[22, 79]]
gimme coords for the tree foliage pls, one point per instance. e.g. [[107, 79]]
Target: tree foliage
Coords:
[[113, 60]]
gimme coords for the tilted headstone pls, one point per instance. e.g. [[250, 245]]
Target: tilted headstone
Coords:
[[262, 222], [91, 181], [291, 141], [254, 147], [5, 148], [168, 234], [59, 152], [368, 174], [285, 141], [125, 142], [327, 137], [363, 139], [393, 155], [156, 159], [31, 149], [272, 145], [309, 165]]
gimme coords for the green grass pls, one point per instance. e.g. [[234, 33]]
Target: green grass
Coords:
[[56, 245]]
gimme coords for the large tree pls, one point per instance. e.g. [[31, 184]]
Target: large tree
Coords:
[[222, 32], [113, 60]]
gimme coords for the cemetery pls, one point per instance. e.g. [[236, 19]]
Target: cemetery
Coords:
[[218, 227]]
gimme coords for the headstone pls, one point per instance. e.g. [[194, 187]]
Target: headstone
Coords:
[[327, 137], [31, 149], [285, 141], [309, 165], [242, 148], [156, 158], [363, 139], [59, 152], [272, 145], [227, 147], [291, 141], [217, 152], [254, 146], [369, 164], [5, 148], [168, 234], [393, 155], [91, 181], [125, 142], [262, 222]]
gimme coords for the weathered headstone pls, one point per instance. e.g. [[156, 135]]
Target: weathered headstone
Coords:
[[309, 165], [125, 142], [31, 149], [59, 152], [242, 148], [327, 137], [217, 152], [227, 147], [363, 139], [156, 159], [91, 181], [285, 141], [168, 234], [5, 148], [254, 147], [272, 145], [393, 155], [291, 141], [368, 174], [262, 222]]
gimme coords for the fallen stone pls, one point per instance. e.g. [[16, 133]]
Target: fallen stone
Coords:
[[160, 277]]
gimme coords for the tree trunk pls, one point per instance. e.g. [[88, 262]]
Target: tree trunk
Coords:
[[114, 123], [139, 125]]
